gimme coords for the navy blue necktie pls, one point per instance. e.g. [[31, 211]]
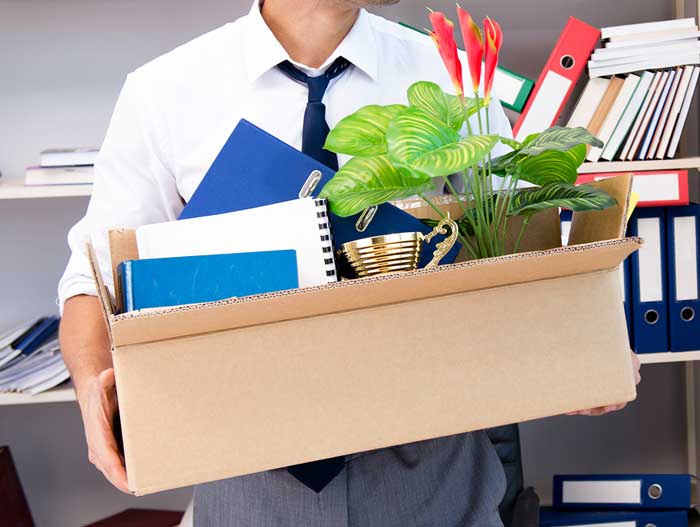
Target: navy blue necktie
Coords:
[[318, 474], [315, 127]]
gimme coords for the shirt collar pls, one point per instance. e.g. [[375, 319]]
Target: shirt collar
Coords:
[[263, 51]]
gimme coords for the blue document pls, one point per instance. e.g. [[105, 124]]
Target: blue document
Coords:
[[39, 335], [648, 273], [164, 282], [631, 491], [683, 228], [254, 169], [554, 518]]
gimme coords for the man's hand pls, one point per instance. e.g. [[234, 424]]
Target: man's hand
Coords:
[[98, 404], [615, 407]]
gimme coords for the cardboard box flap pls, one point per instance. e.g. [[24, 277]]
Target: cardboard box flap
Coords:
[[155, 325], [122, 247], [608, 224], [102, 292]]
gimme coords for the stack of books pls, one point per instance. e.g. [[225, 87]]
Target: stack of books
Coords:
[[641, 89], [30, 358], [622, 500], [63, 166]]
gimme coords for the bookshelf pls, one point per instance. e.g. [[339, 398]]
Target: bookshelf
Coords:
[[631, 166], [60, 394], [14, 188]]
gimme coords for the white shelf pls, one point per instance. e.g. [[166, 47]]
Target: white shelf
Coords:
[[13, 188], [64, 393], [659, 358], [631, 166]]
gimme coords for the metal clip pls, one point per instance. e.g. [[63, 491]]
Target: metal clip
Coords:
[[310, 184], [365, 218]]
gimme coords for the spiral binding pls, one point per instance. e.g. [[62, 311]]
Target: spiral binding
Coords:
[[324, 225]]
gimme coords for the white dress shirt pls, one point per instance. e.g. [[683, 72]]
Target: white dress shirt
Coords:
[[175, 113]]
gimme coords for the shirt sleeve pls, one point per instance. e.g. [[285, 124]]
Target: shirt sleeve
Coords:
[[134, 185]]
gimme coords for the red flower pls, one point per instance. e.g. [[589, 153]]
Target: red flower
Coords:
[[443, 35], [494, 41], [474, 45]]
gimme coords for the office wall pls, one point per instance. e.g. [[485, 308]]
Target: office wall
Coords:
[[62, 63]]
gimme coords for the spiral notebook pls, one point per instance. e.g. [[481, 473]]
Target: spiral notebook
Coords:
[[301, 225]]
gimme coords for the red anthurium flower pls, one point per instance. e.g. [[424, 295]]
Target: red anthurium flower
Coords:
[[473, 43], [494, 41], [443, 35]]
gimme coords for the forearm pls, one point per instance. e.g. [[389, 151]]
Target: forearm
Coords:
[[84, 340]]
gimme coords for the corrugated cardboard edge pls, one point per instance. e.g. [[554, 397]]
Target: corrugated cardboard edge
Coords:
[[102, 293], [155, 325], [594, 226], [122, 247]]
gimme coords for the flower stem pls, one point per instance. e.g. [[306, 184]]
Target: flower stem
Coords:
[[521, 234]]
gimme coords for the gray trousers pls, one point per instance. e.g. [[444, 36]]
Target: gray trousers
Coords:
[[456, 481]]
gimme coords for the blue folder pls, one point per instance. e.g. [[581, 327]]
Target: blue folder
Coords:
[[624, 491], [254, 169], [554, 518], [649, 275], [683, 228], [38, 336], [165, 282]]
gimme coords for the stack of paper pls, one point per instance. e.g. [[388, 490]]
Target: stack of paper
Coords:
[[63, 166], [30, 358], [641, 47]]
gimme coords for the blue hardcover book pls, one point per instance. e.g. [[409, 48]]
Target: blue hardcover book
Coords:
[[254, 169], [683, 228], [165, 282], [39, 336], [648, 273], [555, 518], [630, 491]]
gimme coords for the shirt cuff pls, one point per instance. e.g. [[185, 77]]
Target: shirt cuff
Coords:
[[74, 287]]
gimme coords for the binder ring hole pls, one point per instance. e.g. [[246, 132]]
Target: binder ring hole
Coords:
[[567, 62], [687, 314], [651, 316], [650, 525], [655, 491]]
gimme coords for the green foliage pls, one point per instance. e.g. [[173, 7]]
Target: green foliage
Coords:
[[551, 166], [420, 142], [526, 202], [363, 133], [366, 181], [398, 151]]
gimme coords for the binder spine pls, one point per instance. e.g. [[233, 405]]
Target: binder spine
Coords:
[[324, 227]]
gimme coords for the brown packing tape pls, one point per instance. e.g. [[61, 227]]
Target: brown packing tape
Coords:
[[133, 328], [608, 224]]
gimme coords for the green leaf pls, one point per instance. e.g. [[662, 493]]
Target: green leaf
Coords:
[[529, 201], [515, 145], [551, 166], [367, 181], [504, 165], [430, 98], [363, 133], [561, 139], [418, 141]]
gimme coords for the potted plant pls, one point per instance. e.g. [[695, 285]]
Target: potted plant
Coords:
[[399, 151]]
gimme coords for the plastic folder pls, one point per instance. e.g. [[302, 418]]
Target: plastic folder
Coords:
[[255, 169], [164, 282], [633, 491], [683, 229], [555, 518], [649, 292]]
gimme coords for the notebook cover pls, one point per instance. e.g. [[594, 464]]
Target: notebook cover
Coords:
[[141, 518], [164, 282], [254, 169], [14, 509]]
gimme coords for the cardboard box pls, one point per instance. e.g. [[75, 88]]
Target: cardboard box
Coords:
[[217, 390]]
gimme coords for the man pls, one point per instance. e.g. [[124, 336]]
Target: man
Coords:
[[172, 117]]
